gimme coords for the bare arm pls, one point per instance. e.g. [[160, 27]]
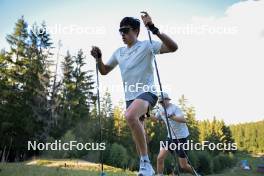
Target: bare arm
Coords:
[[97, 54], [168, 45], [153, 118], [103, 69]]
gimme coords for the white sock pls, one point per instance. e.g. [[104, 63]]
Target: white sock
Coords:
[[144, 158]]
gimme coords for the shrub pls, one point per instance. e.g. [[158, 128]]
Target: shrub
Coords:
[[216, 165], [204, 162], [67, 137], [193, 158], [222, 161], [118, 156]]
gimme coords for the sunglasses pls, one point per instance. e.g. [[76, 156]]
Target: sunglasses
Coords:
[[124, 30]]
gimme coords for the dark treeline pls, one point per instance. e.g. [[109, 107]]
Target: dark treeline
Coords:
[[36, 105]]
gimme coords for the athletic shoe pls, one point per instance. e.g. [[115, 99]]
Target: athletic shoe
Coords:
[[145, 169]]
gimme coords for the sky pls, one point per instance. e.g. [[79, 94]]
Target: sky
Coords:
[[218, 66]]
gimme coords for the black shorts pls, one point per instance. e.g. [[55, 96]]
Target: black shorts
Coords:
[[147, 96], [179, 149]]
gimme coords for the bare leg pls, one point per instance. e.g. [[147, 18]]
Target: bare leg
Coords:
[[137, 147], [185, 166], [160, 160], [137, 108]]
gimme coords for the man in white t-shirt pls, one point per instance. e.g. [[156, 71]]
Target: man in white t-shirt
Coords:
[[135, 61], [179, 133]]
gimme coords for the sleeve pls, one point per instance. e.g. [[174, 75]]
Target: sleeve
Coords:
[[112, 62], [178, 112], [158, 115], [155, 46]]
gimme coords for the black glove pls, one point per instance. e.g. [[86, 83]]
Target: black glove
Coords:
[[170, 115], [153, 29]]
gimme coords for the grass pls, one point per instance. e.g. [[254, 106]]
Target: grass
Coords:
[[44, 167], [47, 167]]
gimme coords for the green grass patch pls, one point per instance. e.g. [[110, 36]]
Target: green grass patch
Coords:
[[57, 168]]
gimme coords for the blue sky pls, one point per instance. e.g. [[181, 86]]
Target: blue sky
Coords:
[[56, 10], [219, 73]]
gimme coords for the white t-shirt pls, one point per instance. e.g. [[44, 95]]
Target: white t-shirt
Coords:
[[136, 66], [180, 129]]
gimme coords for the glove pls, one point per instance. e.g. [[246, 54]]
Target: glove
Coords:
[[170, 115]]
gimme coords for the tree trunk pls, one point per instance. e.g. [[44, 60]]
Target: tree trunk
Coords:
[[11, 141], [3, 156]]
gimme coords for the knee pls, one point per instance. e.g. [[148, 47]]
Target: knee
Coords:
[[131, 119]]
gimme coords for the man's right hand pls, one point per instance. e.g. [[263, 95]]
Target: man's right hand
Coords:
[[96, 53]]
